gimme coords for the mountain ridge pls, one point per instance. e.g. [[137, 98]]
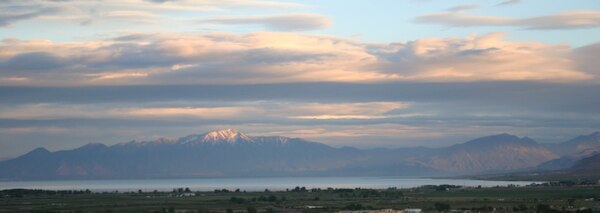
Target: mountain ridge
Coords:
[[228, 152], [490, 154]]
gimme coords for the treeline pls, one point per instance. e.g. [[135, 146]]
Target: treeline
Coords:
[[38, 192], [356, 192], [443, 187], [582, 182], [271, 198]]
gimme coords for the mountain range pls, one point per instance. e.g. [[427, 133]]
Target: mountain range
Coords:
[[230, 153]]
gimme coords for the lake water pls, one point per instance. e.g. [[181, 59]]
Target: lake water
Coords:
[[248, 184]]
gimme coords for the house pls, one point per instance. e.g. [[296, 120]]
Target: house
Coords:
[[374, 211], [187, 194], [412, 210]]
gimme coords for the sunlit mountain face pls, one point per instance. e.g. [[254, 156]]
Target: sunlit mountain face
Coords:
[[380, 86]]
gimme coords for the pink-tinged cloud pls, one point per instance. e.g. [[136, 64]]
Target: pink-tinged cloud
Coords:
[[223, 58], [277, 110], [480, 58]]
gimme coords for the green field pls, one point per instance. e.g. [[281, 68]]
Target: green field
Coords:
[[505, 199]]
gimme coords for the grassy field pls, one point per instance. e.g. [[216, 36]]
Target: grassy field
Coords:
[[523, 199]]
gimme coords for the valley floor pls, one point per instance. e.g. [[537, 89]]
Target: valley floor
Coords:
[[428, 198]]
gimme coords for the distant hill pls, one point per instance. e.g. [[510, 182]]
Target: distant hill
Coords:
[[580, 160], [567, 161], [571, 152], [502, 152], [587, 168], [589, 165], [229, 153], [576, 145]]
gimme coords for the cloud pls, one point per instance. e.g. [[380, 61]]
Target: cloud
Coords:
[[32, 61], [83, 111], [586, 58], [285, 22], [259, 58], [8, 17], [132, 16], [475, 58], [207, 110], [223, 3], [160, 1], [463, 7], [331, 111], [358, 114], [116, 12], [508, 2], [564, 20]]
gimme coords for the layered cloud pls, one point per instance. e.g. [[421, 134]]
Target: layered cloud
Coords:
[[587, 58], [564, 20], [463, 7], [371, 115], [282, 58], [285, 22], [225, 111], [358, 114], [8, 15], [126, 11], [508, 2], [79, 71]]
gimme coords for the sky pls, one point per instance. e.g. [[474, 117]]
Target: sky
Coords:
[[386, 73]]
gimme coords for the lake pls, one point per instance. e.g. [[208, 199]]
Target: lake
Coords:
[[248, 184]]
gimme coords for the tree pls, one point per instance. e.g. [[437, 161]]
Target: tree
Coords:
[[237, 200], [251, 210], [542, 208], [571, 202], [441, 206], [354, 206]]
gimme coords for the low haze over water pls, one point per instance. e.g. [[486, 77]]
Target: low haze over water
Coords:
[[248, 184]]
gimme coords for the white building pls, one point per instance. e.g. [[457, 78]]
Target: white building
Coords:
[[412, 210]]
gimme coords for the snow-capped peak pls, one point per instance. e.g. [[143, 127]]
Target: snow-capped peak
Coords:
[[229, 135]]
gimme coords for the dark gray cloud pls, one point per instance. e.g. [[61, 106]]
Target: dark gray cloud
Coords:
[[132, 55], [32, 62], [539, 96]]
